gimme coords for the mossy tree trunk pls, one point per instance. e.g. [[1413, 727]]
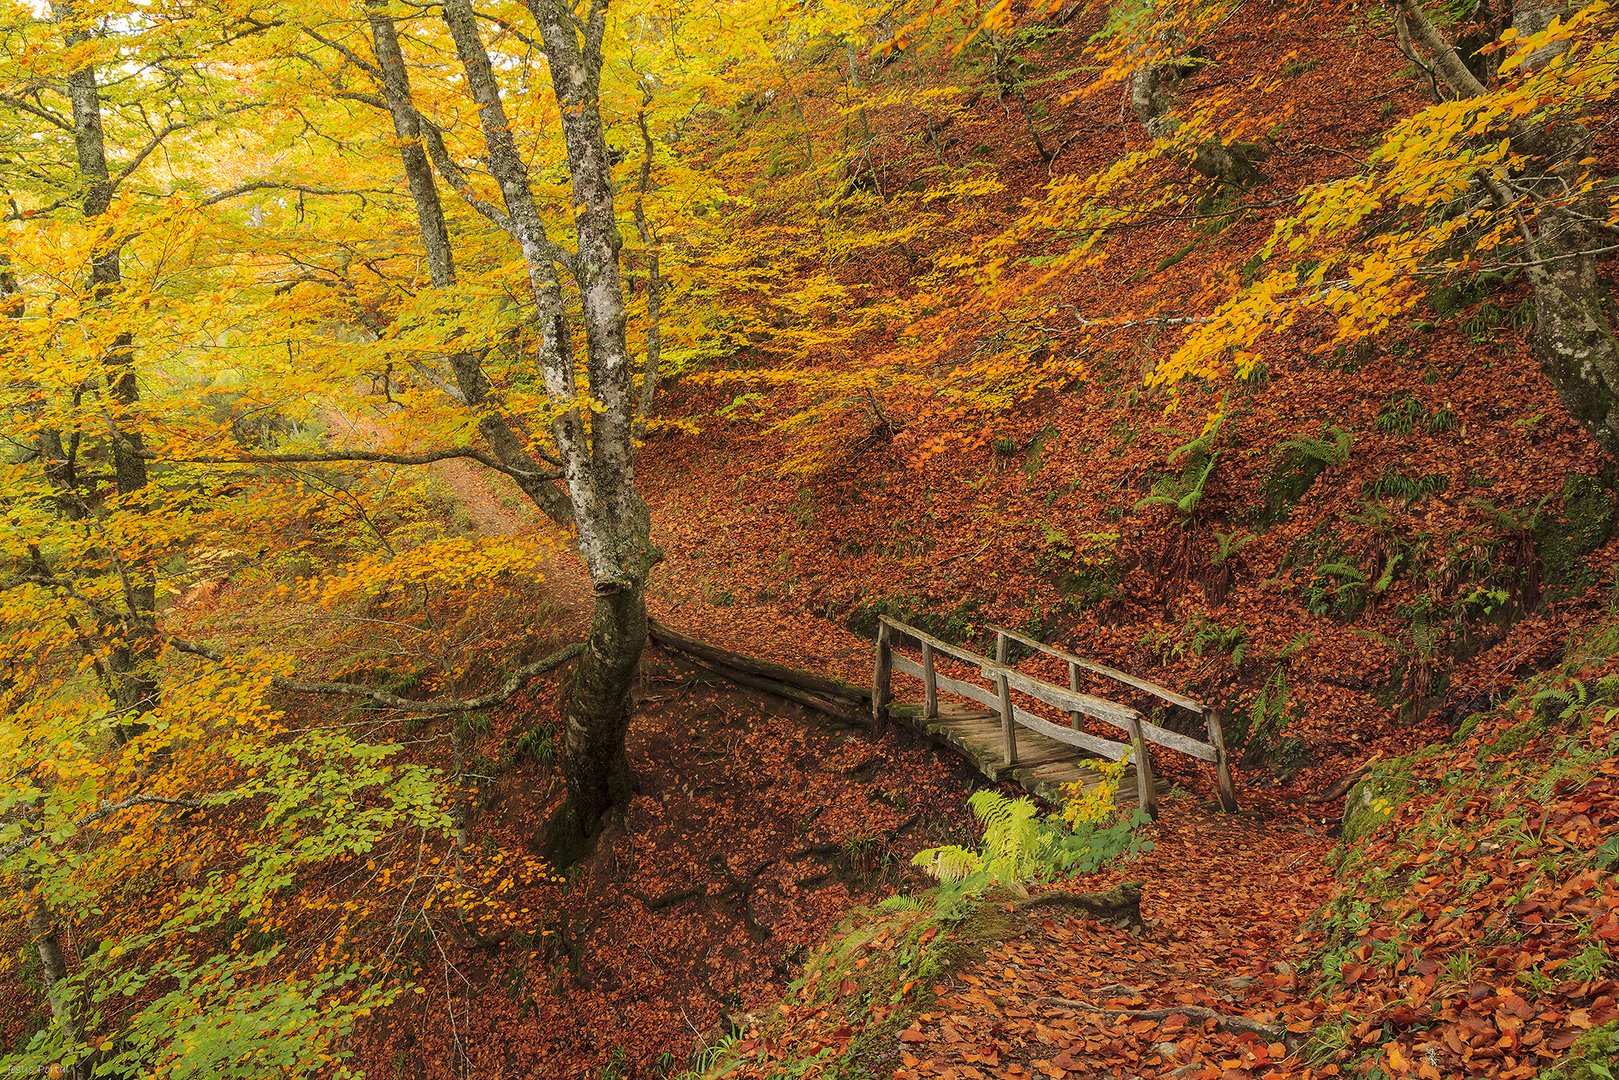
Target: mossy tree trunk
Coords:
[[1561, 231]]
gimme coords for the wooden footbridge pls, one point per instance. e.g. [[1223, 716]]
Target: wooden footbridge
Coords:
[[1006, 741]]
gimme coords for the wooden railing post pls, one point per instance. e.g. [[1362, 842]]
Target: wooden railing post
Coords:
[[882, 678], [1008, 717], [1008, 720], [1222, 766], [930, 685], [1074, 718], [1146, 783]]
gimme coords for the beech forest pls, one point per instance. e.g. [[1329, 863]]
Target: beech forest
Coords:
[[821, 539]]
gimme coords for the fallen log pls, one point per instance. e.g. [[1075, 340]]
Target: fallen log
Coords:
[[1120, 905], [821, 693]]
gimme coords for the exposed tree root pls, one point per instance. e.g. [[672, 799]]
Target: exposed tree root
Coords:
[[1341, 786], [1120, 905], [831, 697], [1230, 1025]]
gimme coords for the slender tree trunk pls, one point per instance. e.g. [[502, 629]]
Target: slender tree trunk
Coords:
[[598, 704], [654, 279], [134, 645], [493, 424], [59, 993], [614, 529]]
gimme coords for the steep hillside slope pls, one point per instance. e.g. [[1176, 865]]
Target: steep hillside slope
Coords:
[[1351, 549], [1469, 930]]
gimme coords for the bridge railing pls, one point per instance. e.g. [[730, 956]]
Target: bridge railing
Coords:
[[1003, 678]]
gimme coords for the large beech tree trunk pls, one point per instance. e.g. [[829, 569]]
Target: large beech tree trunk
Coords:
[[1151, 99], [597, 459], [1574, 337]]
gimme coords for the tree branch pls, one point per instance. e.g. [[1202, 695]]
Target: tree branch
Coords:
[[158, 137], [276, 185], [425, 458], [105, 810], [513, 683], [1455, 73]]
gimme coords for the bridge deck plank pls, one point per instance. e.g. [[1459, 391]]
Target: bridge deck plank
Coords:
[[1043, 768]]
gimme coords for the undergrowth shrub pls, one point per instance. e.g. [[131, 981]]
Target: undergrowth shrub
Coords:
[[1021, 845]]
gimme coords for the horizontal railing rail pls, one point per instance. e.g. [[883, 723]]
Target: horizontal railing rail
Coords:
[[1004, 678]]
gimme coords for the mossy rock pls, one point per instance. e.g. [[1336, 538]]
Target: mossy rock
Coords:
[[1374, 800], [1589, 518]]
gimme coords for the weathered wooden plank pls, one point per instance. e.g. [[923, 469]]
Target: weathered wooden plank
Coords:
[[1003, 694], [1146, 791], [1174, 740], [882, 679], [906, 666], [1163, 693], [939, 644], [1113, 751], [971, 691], [1222, 764], [930, 683], [1052, 755], [1110, 712]]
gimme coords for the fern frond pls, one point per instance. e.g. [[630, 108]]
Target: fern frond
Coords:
[[949, 864]]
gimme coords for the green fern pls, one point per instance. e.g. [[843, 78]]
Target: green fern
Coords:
[[1020, 846], [1299, 463], [1227, 544], [1185, 492], [1012, 845], [1330, 451], [1561, 702], [900, 902]]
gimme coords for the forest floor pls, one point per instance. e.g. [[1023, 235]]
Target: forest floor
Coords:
[[759, 831], [757, 827], [1049, 993]]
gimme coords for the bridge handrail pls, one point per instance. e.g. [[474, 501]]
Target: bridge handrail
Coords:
[[1146, 686], [1007, 678]]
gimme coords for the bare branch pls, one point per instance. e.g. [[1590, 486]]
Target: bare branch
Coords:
[[277, 185], [507, 689], [158, 138], [425, 458]]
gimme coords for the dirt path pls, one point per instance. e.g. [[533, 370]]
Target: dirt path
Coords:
[[1206, 883]]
